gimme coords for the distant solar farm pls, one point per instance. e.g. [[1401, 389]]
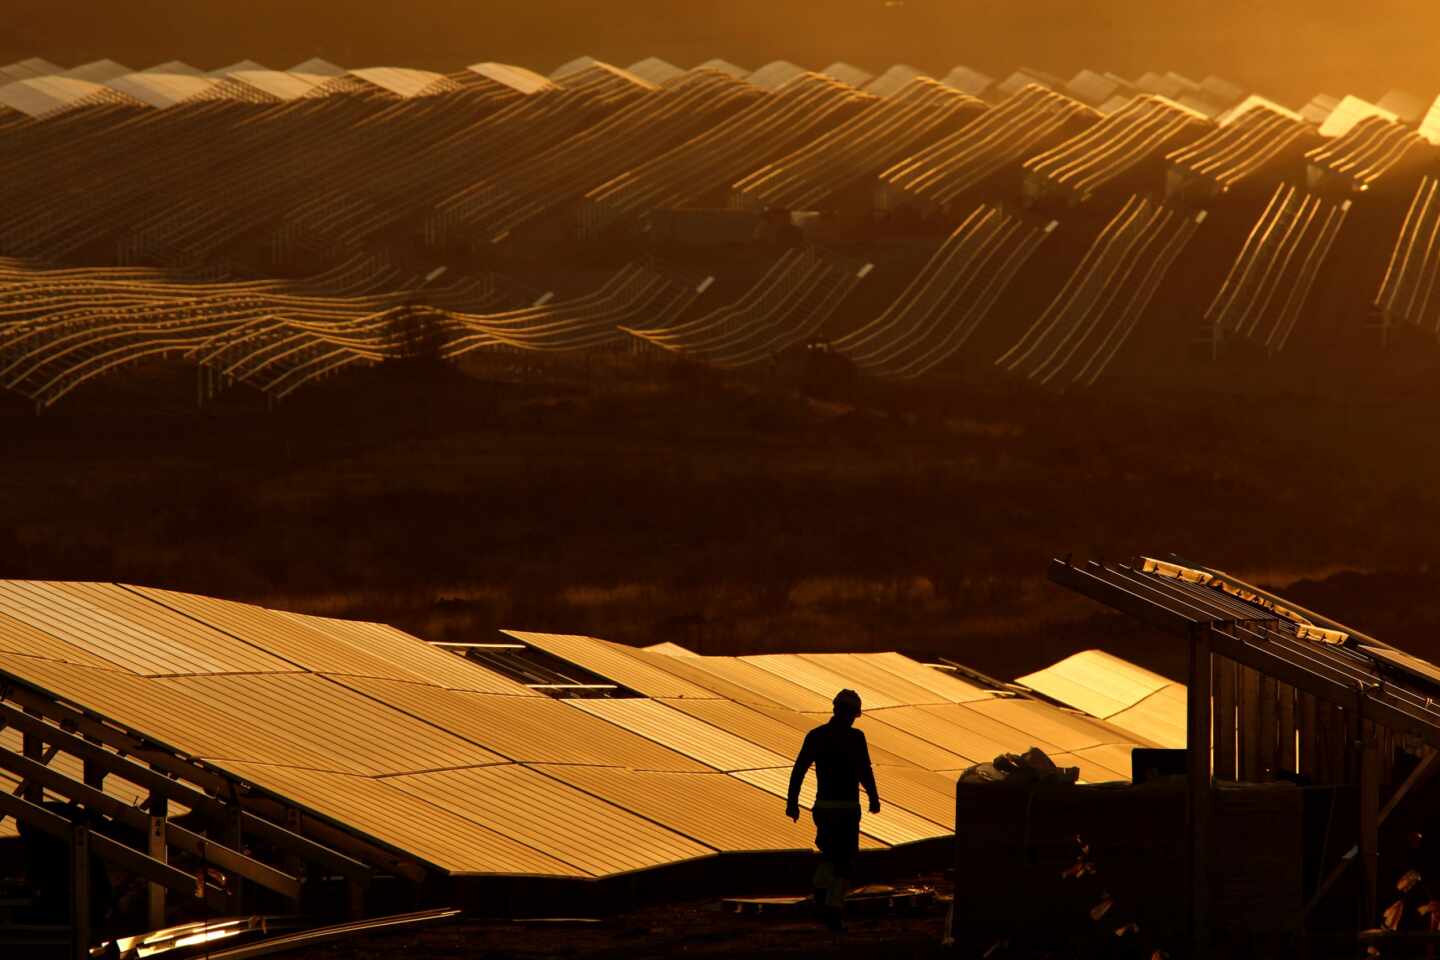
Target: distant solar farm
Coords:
[[272, 228]]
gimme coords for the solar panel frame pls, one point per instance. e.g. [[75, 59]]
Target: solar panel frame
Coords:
[[614, 661]]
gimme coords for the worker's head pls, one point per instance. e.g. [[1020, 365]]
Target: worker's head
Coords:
[[847, 706]]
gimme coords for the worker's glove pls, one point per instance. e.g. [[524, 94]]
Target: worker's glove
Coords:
[[792, 811], [874, 804]]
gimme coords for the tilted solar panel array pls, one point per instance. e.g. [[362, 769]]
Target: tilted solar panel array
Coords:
[[62, 329], [953, 293], [1270, 280], [797, 113], [1005, 135], [1121, 693], [1079, 167], [1408, 290], [533, 183], [435, 760], [1084, 327], [1368, 151], [883, 133], [785, 307], [246, 170], [1240, 147]]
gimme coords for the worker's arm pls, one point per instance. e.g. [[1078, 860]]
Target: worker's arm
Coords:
[[797, 778], [867, 775]]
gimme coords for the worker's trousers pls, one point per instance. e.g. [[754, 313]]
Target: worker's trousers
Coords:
[[837, 834]]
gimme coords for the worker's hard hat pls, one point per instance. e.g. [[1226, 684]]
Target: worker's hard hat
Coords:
[[847, 701]]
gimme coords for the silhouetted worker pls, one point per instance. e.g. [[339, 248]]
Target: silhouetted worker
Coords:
[[842, 765]]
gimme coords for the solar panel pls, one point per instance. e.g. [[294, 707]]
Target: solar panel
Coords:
[[826, 683], [282, 636], [162, 713], [863, 670], [949, 687], [1089, 682], [958, 729], [719, 811], [1064, 729], [1159, 718], [735, 679], [17, 636], [597, 837], [893, 824], [613, 661], [377, 808], [415, 656], [682, 733], [529, 729], [889, 739], [325, 720], [199, 648]]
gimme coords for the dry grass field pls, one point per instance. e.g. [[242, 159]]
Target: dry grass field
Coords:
[[729, 516]]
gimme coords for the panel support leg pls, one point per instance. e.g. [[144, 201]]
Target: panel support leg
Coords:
[[1197, 744], [155, 846], [80, 893]]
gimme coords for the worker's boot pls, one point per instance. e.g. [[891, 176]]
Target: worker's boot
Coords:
[[821, 882]]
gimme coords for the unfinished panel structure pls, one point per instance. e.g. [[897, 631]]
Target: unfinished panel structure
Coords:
[[1277, 692]]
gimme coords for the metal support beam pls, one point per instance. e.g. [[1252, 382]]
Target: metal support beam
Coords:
[[133, 746], [168, 789], [221, 855], [1423, 773], [34, 748], [102, 846], [158, 850], [80, 893], [1369, 833], [1198, 807]]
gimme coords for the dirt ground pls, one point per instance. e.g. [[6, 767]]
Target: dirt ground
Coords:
[[684, 929]]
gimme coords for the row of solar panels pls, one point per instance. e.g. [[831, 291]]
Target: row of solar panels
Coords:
[[330, 182], [62, 329], [459, 768], [455, 169], [176, 81]]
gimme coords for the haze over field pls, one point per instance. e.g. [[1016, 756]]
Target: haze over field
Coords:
[[1287, 48]]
